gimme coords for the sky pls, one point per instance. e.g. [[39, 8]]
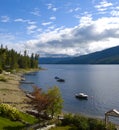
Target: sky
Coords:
[[59, 27]]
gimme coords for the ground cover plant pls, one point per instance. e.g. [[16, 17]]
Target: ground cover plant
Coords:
[[11, 118], [78, 122]]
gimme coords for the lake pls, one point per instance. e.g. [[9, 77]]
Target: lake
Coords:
[[99, 82]]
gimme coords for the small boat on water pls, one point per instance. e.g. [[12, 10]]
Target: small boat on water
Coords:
[[81, 96], [60, 80], [57, 77]]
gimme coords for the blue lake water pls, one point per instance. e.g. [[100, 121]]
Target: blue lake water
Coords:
[[100, 82]]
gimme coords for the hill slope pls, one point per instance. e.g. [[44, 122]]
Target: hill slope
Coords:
[[107, 56]]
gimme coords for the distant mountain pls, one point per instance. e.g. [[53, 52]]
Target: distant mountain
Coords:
[[52, 60], [107, 56]]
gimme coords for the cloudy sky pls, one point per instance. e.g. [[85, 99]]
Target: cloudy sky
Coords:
[[59, 27]]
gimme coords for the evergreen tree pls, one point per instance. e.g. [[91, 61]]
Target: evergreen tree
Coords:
[[13, 60]]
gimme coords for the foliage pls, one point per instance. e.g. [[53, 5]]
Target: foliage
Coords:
[[40, 100], [28, 118], [10, 59], [11, 118], [7, 124], [78, 122], [49, 102], [8, 111], [62, 128], [55, 100]]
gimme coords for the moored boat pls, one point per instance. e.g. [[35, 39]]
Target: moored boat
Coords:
[[57, 77], [81, 96], [60, 80]]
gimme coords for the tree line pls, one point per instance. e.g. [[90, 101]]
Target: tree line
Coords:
[[10, 59]]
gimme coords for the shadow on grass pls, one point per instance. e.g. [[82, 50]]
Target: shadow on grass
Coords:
[[14, 128]]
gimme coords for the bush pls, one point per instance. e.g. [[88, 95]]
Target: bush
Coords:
[[8, 111], [78, 122], [96, 124], [68, 119]]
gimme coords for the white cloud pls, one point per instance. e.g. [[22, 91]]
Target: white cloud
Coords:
[[24, 21], [74, 10], [115, 13], [51, 7], [82, 39], [6, 37], [53, 18], [103, 5], [20, 20], [31, 22], [5, 19], [86, 20], [31, 27], [54, 9], [33, 30], [46, 23], [90, 35], [36, 12]]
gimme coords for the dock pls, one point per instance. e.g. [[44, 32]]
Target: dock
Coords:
[[26, 82]]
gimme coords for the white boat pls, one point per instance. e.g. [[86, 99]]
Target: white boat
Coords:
[[81, 96]]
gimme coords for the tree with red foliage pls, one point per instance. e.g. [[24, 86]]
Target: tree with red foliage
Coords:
[[49, 102]]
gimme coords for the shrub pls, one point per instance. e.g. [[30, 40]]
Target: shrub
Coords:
[[78, 122], [8, 111], [68, 119], [96, 124]]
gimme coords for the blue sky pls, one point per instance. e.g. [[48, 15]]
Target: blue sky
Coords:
[[59, 27]]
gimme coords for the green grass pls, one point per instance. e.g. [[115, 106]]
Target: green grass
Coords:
[[61, 128], [7, 124], [28, 118]]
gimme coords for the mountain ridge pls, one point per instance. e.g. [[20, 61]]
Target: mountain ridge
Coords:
[[107, 56]]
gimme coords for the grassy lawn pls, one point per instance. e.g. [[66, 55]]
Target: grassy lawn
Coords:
[[7, 124], [61, 128], [28, 118]]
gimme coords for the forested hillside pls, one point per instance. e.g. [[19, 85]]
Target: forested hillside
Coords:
[[10, 59], [107, 56]]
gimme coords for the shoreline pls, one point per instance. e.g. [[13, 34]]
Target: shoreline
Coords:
[[10, 91]]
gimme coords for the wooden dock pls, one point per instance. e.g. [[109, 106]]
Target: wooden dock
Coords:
[[26, 82]]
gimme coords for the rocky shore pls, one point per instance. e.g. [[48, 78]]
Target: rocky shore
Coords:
[[11, 93]]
